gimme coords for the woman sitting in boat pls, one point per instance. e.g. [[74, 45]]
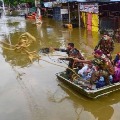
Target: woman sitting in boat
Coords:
[[103, 66], [116, 76], [116, 59]]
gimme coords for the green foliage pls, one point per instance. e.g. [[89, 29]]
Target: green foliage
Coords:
[[15, 2]]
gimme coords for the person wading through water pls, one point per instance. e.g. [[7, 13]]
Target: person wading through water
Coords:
[[106, 45], [72, 52]]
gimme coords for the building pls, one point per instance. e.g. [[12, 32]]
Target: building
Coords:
[[94, 15]]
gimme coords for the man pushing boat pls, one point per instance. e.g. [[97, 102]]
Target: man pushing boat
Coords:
[[72, 52]]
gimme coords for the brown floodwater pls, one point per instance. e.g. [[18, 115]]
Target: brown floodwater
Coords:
[[31, 91]]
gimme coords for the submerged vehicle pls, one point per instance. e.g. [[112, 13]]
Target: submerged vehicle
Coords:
[[83, 86]]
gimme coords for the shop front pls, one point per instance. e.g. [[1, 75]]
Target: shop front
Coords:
[[100, 16]]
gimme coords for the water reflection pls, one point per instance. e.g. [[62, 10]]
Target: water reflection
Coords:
[[116, 108], [11, 25], [102, 108], [38, 81]]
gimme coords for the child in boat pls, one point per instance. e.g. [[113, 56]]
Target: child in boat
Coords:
[[116, 76]]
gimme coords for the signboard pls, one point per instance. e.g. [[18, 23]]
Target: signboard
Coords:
[[97, 0], [89, 7], [64, 11], [49, 0]]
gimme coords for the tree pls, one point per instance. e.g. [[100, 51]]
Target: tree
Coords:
[[16, 2]]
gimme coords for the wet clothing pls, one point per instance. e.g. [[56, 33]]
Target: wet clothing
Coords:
[[106, 46]]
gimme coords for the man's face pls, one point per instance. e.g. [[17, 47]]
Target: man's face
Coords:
[[90, 65], [96, 55], [69, 47], [106, 37]]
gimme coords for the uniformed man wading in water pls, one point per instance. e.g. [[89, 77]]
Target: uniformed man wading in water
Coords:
[[106, 45], [72, 53]]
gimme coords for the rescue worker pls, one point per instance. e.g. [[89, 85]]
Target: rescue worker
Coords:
[[106, 45], [72, 52], [103, 66]]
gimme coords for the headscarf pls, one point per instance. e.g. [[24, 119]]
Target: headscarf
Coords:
[[118, 64], [116, 77]]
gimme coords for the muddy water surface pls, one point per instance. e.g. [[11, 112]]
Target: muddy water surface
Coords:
[[30, 91]]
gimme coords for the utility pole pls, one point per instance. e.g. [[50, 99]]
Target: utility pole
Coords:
[[69, 20], [79, 14], [37, 5]]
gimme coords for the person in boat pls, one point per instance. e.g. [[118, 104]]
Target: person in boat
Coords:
[[72, 52], [117, 35], [116, 76], [103, 67], [106, 45], [86, 71], [117, 58]]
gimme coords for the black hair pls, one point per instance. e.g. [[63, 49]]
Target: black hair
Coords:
[[71, 44], [108, 33]]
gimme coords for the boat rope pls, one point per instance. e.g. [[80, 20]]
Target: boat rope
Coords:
[[1, 42], [74, 76], [6, 48], [24, 42]]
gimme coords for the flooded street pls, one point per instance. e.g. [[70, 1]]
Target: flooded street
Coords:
[[31, 91]]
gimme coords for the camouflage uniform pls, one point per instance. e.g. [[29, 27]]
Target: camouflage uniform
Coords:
[[73, 53], [106, 46], [102, 70]]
